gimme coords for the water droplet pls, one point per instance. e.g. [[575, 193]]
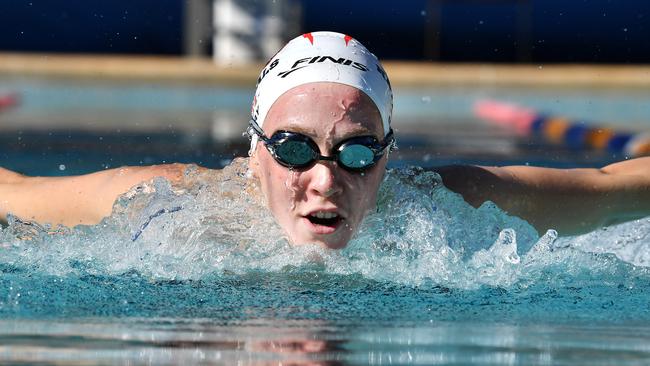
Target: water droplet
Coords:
[[62, 167]]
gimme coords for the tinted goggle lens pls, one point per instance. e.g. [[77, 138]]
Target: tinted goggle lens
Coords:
[[356, 156], [295, 153]]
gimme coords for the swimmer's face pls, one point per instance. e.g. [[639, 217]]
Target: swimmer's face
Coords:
[[304, 201]]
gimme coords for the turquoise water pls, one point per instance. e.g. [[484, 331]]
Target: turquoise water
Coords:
[[614, 107], [73, 127], [199, 273]]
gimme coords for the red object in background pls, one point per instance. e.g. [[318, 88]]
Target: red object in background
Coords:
[[9, 100], [505, 115]]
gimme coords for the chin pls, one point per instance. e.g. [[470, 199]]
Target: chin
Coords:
[[334, 240], [333, 243]]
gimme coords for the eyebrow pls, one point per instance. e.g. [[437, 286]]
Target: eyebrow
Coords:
[[355, 131], [299, 129]]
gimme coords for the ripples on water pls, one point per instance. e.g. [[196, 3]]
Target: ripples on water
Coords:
[[209, 253]]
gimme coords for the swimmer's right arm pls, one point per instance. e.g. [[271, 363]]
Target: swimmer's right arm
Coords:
[[74, 200]]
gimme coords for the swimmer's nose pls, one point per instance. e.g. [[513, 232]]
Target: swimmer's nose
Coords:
[[323, 179]]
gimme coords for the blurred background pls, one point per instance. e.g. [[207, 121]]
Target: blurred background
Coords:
[[88, 85]]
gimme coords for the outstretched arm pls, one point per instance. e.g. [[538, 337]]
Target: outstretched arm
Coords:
[[571, 201], [70, 201]]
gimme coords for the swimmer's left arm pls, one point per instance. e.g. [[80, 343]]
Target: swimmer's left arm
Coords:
[[571, 201]]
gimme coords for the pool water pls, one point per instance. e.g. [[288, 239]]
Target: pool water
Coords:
[[64, 127], [199, 273], [194, 274]]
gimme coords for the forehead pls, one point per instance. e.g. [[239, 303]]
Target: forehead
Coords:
[[325, 107]]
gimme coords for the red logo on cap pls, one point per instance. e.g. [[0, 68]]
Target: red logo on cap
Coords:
[[347, 39], [309, 37]]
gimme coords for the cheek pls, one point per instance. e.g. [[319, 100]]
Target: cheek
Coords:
[[362, 190], [281, 186], [374, 179], [264, 172]]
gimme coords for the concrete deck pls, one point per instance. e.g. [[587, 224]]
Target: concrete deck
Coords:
[[204, 71]]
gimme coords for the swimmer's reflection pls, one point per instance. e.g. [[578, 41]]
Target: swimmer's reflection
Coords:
[[268, 341], [304, 343], [296, 351]]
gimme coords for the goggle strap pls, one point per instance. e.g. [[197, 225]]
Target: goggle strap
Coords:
[[254, 128]]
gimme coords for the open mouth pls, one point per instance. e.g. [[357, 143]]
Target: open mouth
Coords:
[[324, 222]]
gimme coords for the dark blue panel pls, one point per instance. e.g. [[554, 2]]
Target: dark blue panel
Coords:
[[389, 28], [116, 26], [467, 30]]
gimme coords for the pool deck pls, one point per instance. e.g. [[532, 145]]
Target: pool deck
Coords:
[[204, 71]]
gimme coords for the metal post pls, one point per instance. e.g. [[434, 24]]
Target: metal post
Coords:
[[432, 30], [524, 30], [196, 24]]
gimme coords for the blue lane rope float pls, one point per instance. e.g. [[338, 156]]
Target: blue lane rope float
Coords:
[[558, 130]]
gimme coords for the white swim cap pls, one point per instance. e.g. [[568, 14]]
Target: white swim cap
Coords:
[[322, 56]]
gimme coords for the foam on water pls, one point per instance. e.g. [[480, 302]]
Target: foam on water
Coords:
[[215, 224]]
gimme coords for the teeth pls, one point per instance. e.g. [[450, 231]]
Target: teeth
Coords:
[[324, 215]]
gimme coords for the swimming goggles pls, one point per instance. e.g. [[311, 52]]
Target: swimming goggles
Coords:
[[297, 151]]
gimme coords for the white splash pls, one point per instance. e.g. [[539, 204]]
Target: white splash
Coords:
[[216, 223]]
